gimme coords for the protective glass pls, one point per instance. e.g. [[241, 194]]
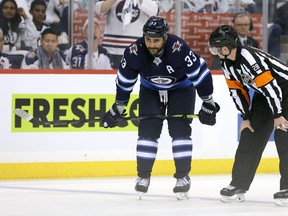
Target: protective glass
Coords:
[[214, 50]]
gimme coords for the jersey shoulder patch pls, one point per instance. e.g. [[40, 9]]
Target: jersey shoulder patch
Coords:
[[133, 49], [176, 46]]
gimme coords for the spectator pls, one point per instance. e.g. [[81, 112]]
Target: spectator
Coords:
[[248, 6], [243, 25], [4, 61], [54, 12], [194, 6], [11, 25], [216, 6], [35, 26], [77, 55], [46, 56], [124, 23], [274, 39]]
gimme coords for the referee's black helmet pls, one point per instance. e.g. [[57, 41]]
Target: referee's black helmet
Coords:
[[156, 27], [224, 35]]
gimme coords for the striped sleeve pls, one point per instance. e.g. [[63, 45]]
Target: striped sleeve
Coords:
[[240, 96]]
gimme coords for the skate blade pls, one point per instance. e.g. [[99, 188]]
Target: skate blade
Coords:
[[281, 202], [182, 195], [140, 194], [235, 198]]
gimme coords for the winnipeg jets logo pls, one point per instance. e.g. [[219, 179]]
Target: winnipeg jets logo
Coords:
[[162, 80], [133, 49], [157, 61], [176, 46], [119, 11]]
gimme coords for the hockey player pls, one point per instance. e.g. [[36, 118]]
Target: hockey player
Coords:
[[250, 68], [77, 55], [169, 73], [124, 22]]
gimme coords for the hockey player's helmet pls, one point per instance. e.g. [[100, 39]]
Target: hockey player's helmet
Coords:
[[156, 27], [224, 35]]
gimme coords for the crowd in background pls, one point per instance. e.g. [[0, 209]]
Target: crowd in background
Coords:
[[22, 23]]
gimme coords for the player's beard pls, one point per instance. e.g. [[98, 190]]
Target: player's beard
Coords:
[[155, 51]]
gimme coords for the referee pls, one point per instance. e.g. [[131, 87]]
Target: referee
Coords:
[[250, 68]]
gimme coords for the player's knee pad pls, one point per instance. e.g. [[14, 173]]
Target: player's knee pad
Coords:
[[150, 128], [179, 127]]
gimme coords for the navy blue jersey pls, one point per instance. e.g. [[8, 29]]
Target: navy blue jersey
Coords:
[[77, 57], [177, 67]]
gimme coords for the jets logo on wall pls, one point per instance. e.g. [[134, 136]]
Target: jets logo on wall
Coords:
[[135, 12]]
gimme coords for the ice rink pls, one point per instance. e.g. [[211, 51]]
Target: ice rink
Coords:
[[116, 197]]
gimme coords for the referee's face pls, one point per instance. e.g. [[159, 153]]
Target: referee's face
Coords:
[[154, 45]]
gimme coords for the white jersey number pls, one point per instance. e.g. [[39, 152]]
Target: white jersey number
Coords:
[[190, 59]]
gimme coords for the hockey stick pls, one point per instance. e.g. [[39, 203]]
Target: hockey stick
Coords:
[[25, 115]]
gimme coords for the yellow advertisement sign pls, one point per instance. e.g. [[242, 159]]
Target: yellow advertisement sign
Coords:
[[63, 107]]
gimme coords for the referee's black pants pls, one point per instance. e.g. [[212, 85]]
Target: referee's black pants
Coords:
[[252, 144]]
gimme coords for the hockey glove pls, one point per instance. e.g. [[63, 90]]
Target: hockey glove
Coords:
[[113, 116], [207, 114]]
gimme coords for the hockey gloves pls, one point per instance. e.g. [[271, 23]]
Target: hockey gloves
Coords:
[[207, 114], [113, 116]]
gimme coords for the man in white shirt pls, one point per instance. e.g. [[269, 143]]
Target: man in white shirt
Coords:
[[124, 23]]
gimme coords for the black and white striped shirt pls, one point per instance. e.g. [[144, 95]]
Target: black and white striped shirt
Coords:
[[253, 68]]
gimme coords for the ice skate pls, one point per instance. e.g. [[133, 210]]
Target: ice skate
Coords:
[[232, 194], [182, 188], [141, 186], [281, 198]]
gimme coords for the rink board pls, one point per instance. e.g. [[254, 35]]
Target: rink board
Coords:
[[88, 150]]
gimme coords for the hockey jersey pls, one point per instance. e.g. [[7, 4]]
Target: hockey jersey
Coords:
[[257, 70], [77, 57], [177, 67], [4, 61], [31, 61], [116, 36]]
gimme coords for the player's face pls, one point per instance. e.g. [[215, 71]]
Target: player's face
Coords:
[[49, 43], [154, 45]]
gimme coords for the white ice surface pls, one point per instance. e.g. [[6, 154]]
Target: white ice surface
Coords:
[[116, 197]]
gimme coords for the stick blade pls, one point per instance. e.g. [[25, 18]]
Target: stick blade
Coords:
[[23, 114]]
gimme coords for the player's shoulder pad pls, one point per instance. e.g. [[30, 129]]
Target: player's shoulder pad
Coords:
[[176, 44], [135, 48]]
